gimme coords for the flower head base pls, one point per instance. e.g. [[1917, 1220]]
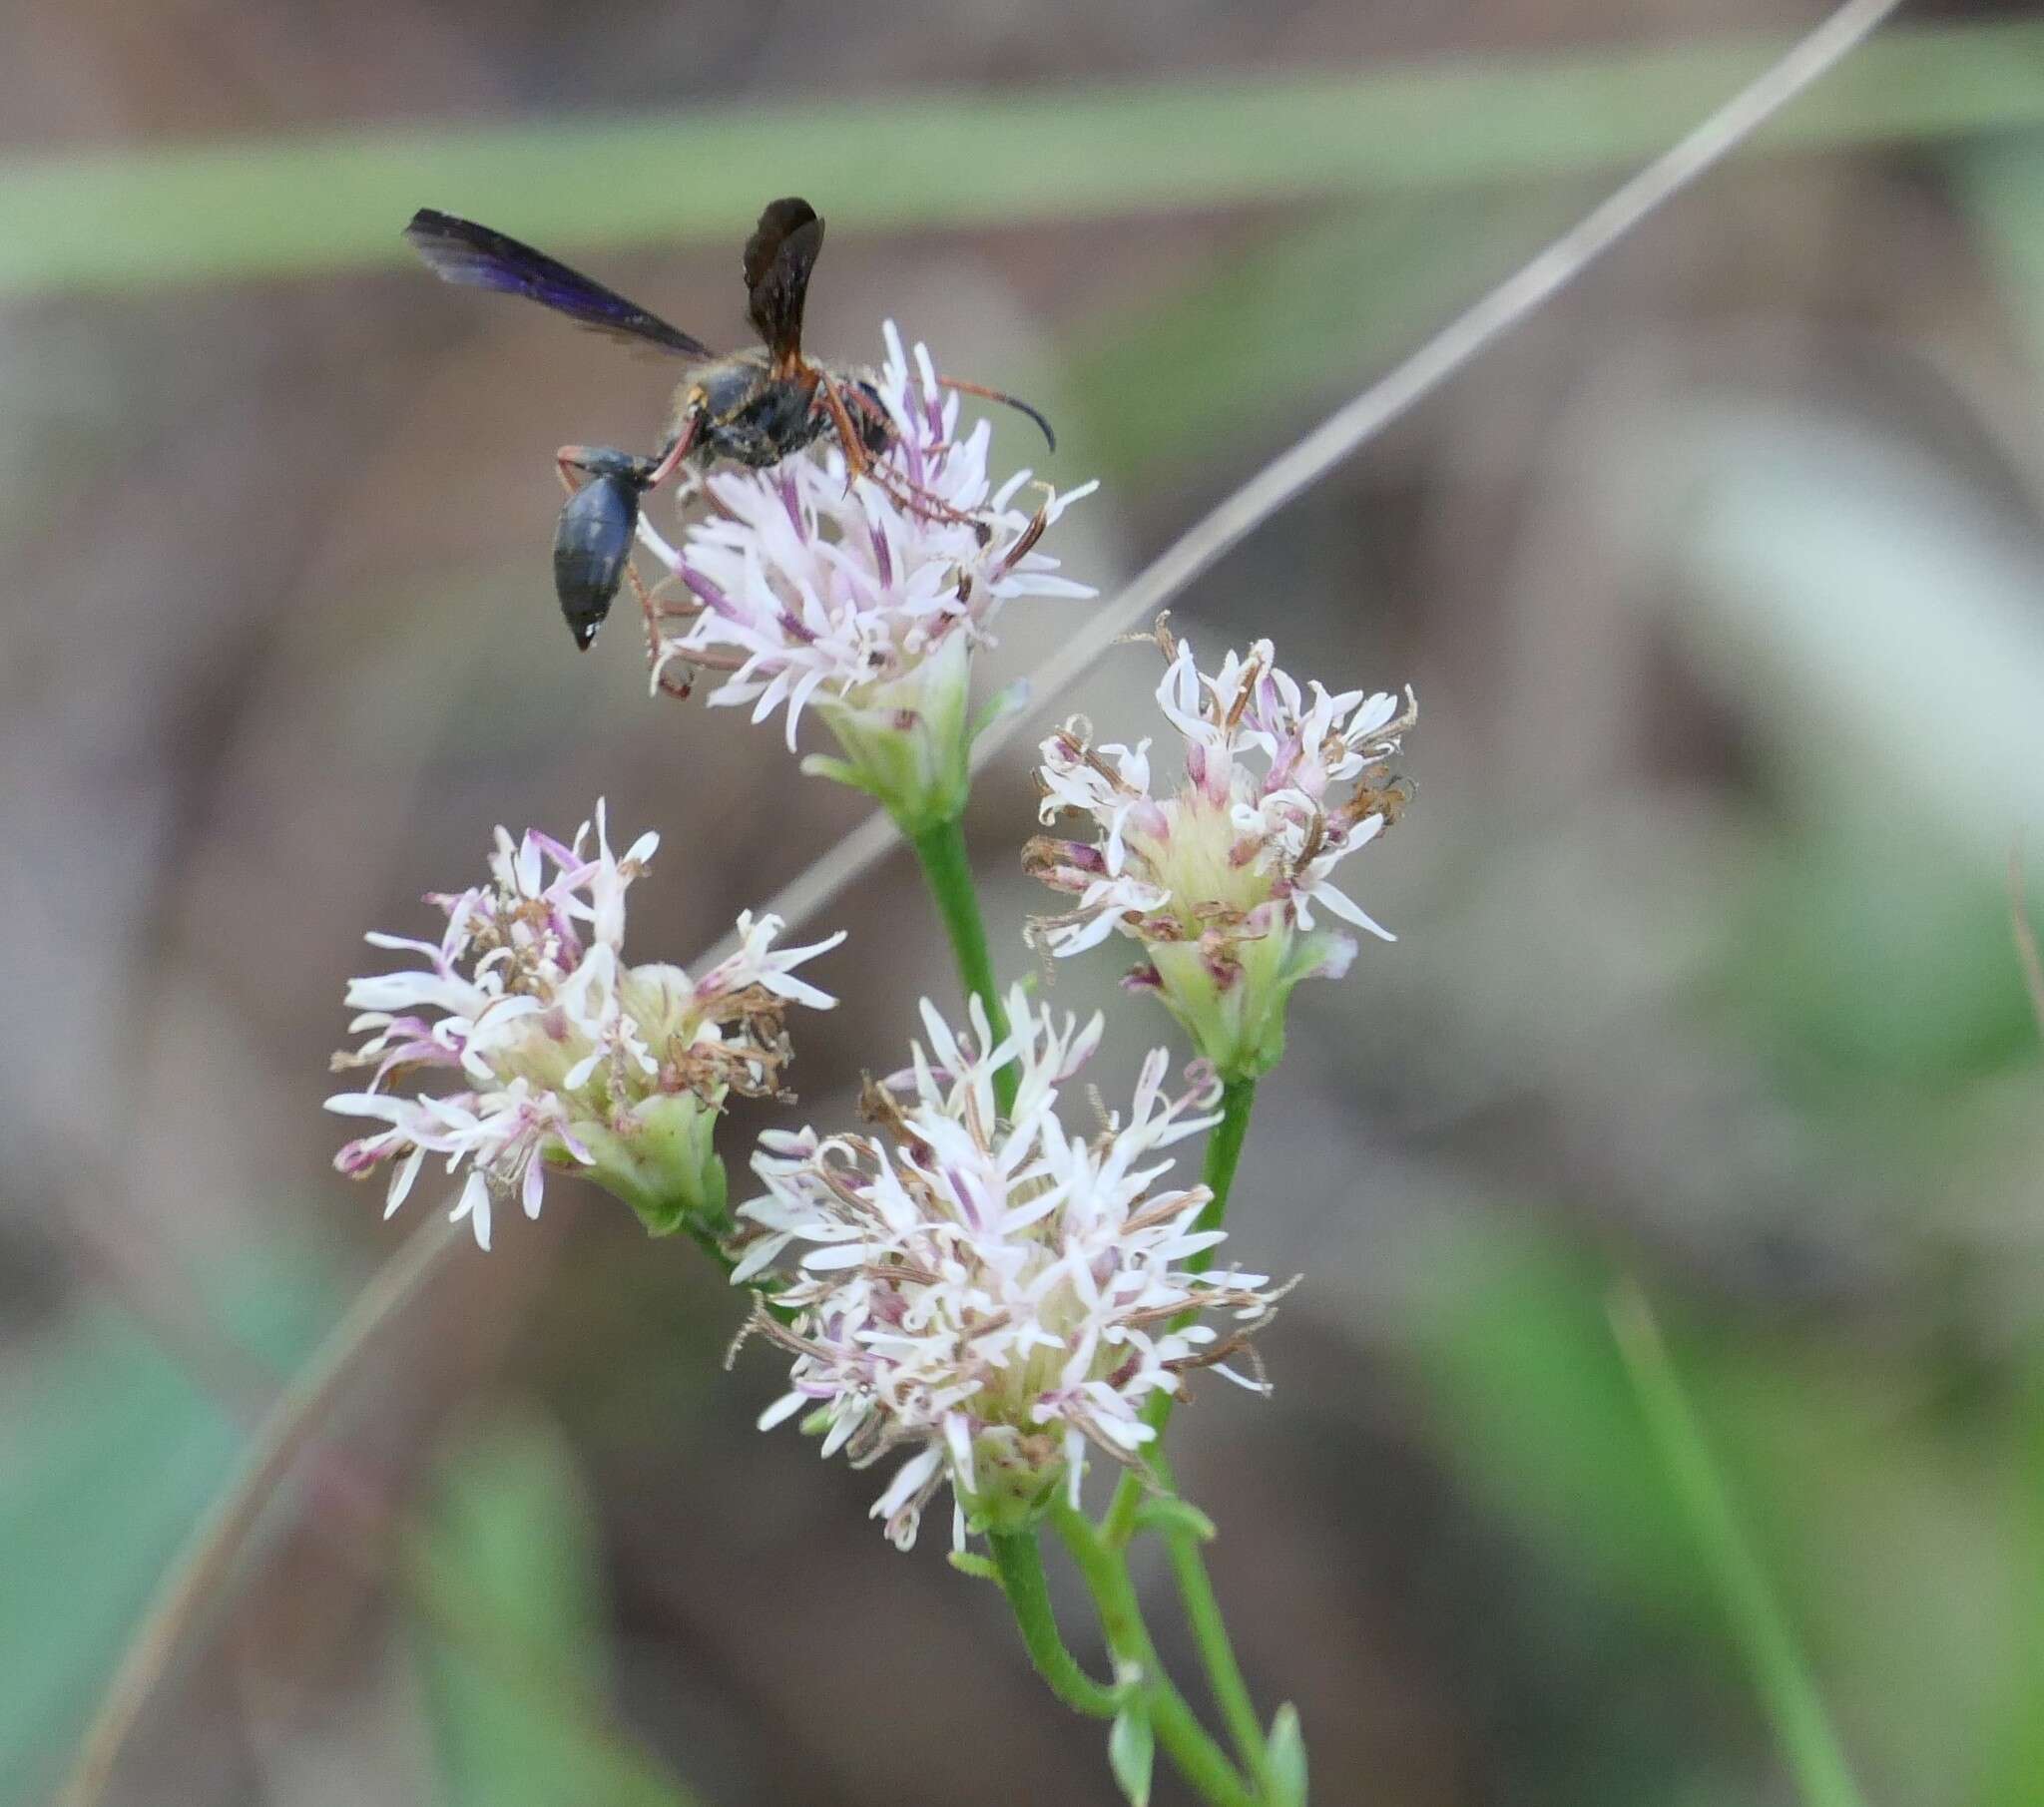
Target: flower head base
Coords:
[[1220, 882], [558, 1053], [864, 597], [990, 1297]]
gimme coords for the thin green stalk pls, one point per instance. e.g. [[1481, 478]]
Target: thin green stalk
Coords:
[[1781, 1673], [1202, 1762], [1224, 1151], [1188, 1562], [1020, 1562], [1210, 1637], [947, 870]]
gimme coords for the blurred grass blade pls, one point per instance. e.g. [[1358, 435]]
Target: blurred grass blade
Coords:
[[515, 1644], [165, 215], [109, 1455], [1306, 309], [1778, 1669]]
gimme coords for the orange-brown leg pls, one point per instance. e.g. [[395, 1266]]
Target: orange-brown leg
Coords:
[[1013, 402], [856, 464]]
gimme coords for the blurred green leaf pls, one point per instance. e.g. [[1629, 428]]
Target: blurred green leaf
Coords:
[[112, 1452], [1850, 967], [164, 214], [1518, 1345], [110, 1455], [507, 1560], [2003, 183], [1299, 313], [2012, 1747], [1871, 619]]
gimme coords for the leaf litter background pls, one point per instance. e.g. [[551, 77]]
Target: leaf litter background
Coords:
[[1720, 586]]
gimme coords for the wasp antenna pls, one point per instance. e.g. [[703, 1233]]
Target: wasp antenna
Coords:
[[1013, 402]]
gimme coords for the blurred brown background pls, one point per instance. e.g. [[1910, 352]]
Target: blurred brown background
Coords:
[[1719, 588]]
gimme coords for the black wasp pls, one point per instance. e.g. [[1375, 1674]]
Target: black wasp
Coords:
[[752, 407]]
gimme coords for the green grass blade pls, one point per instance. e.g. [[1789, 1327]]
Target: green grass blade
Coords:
[[167, 214]]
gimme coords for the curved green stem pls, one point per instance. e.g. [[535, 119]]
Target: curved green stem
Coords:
[[1781, 1673], [1202, 1762], [947, 870], [1020, 1562]]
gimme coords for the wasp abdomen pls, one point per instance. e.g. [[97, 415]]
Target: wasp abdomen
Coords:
[[592, 546]]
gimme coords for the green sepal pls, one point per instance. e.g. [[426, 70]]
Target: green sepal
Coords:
[[1009, 700], [662, 1164], [1239, 1027], [1284, 1759], [1169, 1516], [839, 772], [905, 741], [1132, 1750], [980, 1567]]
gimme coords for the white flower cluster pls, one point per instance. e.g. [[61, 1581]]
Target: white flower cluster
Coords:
[[991, 1294], [808, 585], [558, 1050], [1220, 880]]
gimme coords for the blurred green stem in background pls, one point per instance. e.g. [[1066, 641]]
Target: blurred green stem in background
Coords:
[[1779, 1671], [947, 869], [160, 215]]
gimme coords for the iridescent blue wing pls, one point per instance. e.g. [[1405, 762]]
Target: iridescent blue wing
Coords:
[[459, 251]]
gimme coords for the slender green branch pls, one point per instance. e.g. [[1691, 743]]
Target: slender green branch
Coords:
[[947, 870], [1020, 1562], [1781, 1673], [1202, 1762], [1188, 1562], [1224, 1152], [1210, 1637]]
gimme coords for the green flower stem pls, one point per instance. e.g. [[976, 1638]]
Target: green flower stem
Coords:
[[1202, 1762], [947, 871], [1210, 1637], [1188, 1562], [1020, 1562], [1779, 1671], [1224, 1151]]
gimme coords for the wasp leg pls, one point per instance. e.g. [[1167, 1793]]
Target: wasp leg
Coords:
[[669, 459], [574, 461], [664, 465], [1013, 402], [857, 463]]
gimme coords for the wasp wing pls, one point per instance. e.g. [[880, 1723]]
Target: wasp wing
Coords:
[[459, 251], [779, 258]]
